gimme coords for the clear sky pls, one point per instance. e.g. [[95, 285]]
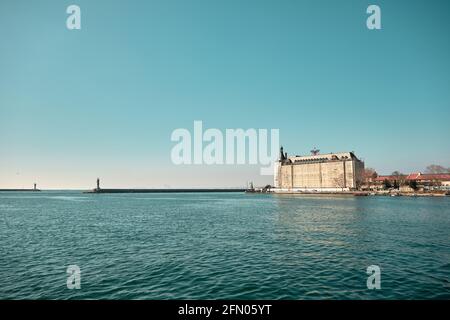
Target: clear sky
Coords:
[[104, 100]]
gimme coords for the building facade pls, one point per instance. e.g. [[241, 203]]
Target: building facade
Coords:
[[331, 172]]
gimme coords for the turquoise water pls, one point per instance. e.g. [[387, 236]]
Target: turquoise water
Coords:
[[222, 246]]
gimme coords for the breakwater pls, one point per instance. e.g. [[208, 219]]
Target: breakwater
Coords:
[[161, 190], [6, 190]]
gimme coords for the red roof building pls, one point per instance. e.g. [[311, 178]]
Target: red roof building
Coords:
[[418, 176]]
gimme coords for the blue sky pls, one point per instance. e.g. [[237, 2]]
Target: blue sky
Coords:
[[104, 100]]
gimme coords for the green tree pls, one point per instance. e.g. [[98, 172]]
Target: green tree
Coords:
[[387, 184], [396, 184], [413, 184]]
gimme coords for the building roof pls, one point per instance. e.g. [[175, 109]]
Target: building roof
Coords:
[[433, 176], [324, 157], [413, 176]]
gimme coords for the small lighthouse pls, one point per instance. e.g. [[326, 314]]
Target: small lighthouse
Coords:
[[98, 184]]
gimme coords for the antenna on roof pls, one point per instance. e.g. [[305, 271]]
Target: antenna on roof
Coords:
[[315, 151]]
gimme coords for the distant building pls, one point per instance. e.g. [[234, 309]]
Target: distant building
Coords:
[[330, 172], [422, 179], [442, 179]]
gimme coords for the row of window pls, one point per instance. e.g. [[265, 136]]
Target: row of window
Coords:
[[334, 158]]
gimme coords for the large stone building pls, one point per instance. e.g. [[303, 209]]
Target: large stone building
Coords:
[[331, 172]]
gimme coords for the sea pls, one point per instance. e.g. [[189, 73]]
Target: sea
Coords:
[[222, 246]]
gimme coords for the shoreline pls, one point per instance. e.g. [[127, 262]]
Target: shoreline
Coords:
[[248, 191], [352, 193]]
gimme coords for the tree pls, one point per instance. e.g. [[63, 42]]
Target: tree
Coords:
[[387, 184], [434, 169], [399, 179], [413, 184], [369, 174], [396, 184], [366, 177], [340, 181]]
